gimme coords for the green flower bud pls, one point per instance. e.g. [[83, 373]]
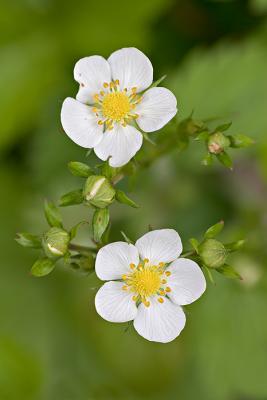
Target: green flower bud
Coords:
[[212, 253], [55, 242], [98, 191], [218, 142]]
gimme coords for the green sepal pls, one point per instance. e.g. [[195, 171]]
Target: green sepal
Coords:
[[55, 242], [214, 230], [80, 169], [100, 223], [121, 197], [239, 141], [207, 160], [129, 241], [225, 159], [74, 229], [52, 214], [223, 127], [82, 263], [42, 267], [229, 272], [194, 243], [158, 81], [202, 136], [212, 253], [234, 246], [108, 171], [71, 198], [28, 240], [209, 274], [98, 191]]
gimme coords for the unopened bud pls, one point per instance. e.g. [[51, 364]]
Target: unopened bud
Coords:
[[98, 191], [55, 242], [212, 253], [218, 142]]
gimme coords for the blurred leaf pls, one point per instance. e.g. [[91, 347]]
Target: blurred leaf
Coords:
[[234, 246], [214, 230], [52, 214], [73, 231], [72, 198], [228, 272], [80, 169], [28, 240], [42, 267], [207, 160], [121, 197], [194, 243], [209, 274], [100, 223]]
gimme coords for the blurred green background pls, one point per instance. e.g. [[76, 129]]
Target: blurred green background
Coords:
[[53, 345]]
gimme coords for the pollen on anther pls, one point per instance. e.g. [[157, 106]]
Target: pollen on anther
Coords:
[[146, 260], [117, 82], [161, 300], [134, 298], [168, 273], [105, 84], [161, 264], [125, 287], [124, 277], [100, 122], [132, 265], [168, 289], [146, 303], [163, 281]]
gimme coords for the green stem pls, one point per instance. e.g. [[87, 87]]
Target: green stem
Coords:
[[82, 249]]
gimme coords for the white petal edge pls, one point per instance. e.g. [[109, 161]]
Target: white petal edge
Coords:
[[120, 144], [80, 124], [187, 281], [115, 304], [114, 259], [91, 72], [160, 322], [163, 245], [158, 107], [132, 67]]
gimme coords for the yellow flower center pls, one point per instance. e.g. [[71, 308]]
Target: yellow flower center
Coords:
[[147, 280], [113, 105]]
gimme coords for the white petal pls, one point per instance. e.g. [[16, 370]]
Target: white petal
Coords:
[[132, 68], [163, 245], [160, 322], [80, 123], [159, 106], [114, 259], [115, 304], [121, 144], [91, 73], [186, 281]]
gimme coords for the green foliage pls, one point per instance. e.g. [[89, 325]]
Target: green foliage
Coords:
[[28, 240], [71, 198], [100, 223], [79, 169], [121, 197]]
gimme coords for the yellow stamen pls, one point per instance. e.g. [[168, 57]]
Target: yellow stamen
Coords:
[[132, 265], [168, 273], [106, 85], [161, 300], [163, 281], [168, 289]]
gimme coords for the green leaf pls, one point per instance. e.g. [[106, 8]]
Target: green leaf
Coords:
[[129, 241], [108, 171], [52, 214], [234, 246], [100, 223], [42, 267], [207, 160], [74, 229], [79, 169], [223, 127], [194, 243], [229, 272], [121, 197], [28, 240], [72, 198], [239, 141], [214, 230], [225, 159]]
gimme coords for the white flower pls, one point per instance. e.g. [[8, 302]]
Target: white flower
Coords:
[[111, 97], [148, 284]]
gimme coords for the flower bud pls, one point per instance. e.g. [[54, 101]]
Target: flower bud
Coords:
[[98, 191], [212, 253], [218, 142], [55, 242]]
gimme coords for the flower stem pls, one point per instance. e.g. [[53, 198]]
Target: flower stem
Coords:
[[82, 249]]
